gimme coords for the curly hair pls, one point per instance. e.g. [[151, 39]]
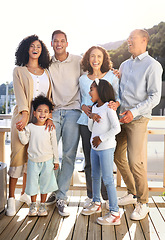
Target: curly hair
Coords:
[[22, 52], [42, 100], [105, 90], [106, 66]]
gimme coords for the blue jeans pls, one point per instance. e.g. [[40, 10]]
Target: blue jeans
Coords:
[[102, 164], [67, 128]]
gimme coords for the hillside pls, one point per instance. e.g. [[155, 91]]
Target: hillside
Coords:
[[112, 45], [156, 47]]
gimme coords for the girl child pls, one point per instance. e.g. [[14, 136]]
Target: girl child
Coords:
[[104, 125], [42, 155]]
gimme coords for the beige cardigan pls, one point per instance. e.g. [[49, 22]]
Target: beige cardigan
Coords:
[[23, 89]]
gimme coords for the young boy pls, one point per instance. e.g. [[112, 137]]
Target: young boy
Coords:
[[42, 155]]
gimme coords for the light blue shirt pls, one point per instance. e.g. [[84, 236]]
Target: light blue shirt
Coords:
[[140, 85], [85, 84]]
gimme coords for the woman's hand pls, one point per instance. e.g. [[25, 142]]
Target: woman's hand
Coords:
[[49, 124], [87, 109], [95, 117], [113, 105], [20, 125], [96, 141], [56, 166]]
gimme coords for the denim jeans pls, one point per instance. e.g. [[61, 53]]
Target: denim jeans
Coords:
[[102, 164], [66, 127], [86, 135]]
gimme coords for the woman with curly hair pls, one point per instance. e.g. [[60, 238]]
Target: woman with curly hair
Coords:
[[96, 62], [30, 79]]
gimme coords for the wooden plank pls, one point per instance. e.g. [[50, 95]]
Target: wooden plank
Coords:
[[80, 231], [2, 147], [122, 231], [14, 225], [148, 228], [53, 227], [134, 226], [156, 219], [5, 220], [69, 222], [160, 204], [41, 225], [108, 232], [94, 230]]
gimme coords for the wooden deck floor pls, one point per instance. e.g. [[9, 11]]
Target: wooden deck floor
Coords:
[[79, 227]]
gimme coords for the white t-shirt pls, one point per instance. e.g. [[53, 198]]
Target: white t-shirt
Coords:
[[42, 143], [106, 129]]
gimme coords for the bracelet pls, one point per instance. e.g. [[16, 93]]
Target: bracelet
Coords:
[[50, 118]]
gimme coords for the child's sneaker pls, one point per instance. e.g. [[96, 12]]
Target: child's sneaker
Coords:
[[111, 218], [42, 210], [87, 202], [95, 207], [11, 210], [33, 209]]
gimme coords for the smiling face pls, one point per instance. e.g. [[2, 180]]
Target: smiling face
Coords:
[[42, 114], [59, 44], [96, 58], [35, 49], [136, 43]]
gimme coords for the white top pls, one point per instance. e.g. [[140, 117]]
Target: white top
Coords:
[[140, 85], [106, 129], [42, 143], [40, 84]]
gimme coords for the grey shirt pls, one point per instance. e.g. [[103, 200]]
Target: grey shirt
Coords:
[[140, 85]]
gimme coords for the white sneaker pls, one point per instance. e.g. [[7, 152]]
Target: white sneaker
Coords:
[[140, 211], [95, 207], [128, 199], [33, 209], [107, 204], [42, 210], [25, 198], [112, 218], [87, 202], [11, 210], [62, 208]]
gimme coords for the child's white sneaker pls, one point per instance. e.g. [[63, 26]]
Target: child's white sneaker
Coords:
[[95, 207], [33, 209], [25, 198], [11, 210], [111, 218], [87, 202], [42, 210]]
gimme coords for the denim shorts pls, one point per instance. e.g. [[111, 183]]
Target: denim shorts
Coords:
[[40, 178]]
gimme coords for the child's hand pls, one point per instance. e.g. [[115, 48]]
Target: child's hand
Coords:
[[96, 141], [95, 117], [56, 166]]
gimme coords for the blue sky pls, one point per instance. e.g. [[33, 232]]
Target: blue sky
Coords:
[[86, 22]]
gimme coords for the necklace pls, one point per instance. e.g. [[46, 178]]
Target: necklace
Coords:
[[33, 69]]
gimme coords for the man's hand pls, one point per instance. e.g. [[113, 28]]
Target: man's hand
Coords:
[[116, 72], [113, 105], [96, 141], [128, 117]]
